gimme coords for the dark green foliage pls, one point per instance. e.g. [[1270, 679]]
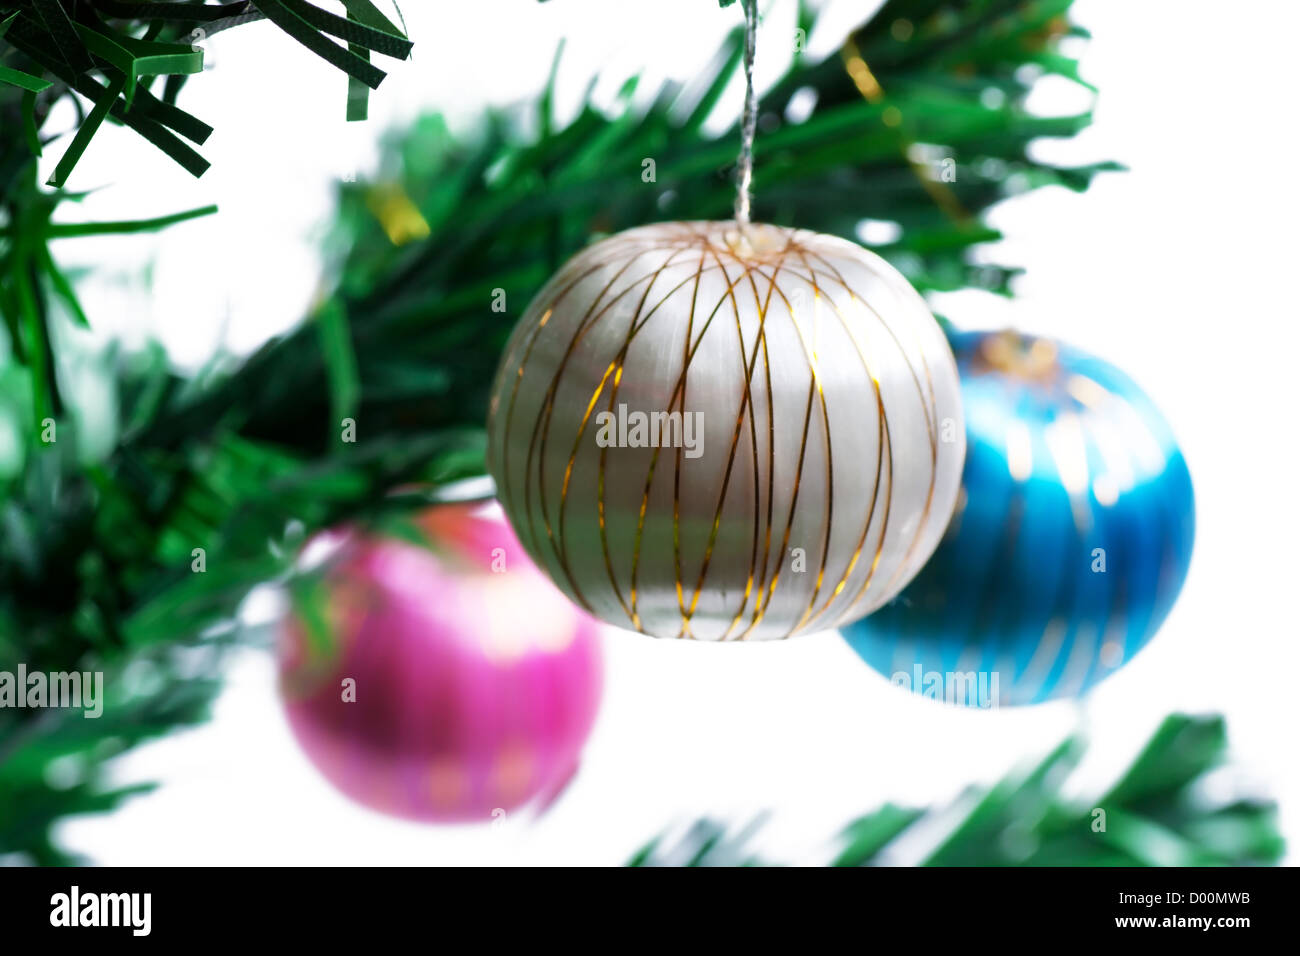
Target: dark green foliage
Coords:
[[51, 49], [1157, 815], [95, 555]]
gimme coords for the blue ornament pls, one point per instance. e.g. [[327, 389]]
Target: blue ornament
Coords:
[[1069, 543]]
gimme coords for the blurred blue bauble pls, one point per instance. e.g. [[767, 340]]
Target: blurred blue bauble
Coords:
[[1069, 542]]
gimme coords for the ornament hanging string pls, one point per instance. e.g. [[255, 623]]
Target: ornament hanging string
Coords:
[[749, 121]]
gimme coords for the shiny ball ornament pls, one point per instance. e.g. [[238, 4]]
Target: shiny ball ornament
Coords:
[[1070, 541], [709, 433], [443, 683]]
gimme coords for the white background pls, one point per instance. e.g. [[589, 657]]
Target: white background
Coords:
[[1182, 271]]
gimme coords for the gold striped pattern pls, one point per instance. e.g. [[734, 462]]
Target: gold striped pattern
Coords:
[[821, 382]]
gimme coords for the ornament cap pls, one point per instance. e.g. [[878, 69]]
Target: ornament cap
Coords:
[[1024, 357], [756, 241]]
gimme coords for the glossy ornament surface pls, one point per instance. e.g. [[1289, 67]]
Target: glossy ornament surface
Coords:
[[474, 683], [718, 435], [1070, 542]]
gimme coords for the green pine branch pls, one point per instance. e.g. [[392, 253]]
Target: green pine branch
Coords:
[[1156, 815], [109, 53]]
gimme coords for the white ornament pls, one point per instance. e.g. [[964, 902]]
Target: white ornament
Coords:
[[718, 435]]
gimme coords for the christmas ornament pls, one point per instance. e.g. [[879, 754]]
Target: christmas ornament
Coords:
[[726, 431], [1071, 538], [442, 683]]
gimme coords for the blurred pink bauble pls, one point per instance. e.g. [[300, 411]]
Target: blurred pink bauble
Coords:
[[476, 681]]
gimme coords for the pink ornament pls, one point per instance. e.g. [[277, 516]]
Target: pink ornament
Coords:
[[440, 684]]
